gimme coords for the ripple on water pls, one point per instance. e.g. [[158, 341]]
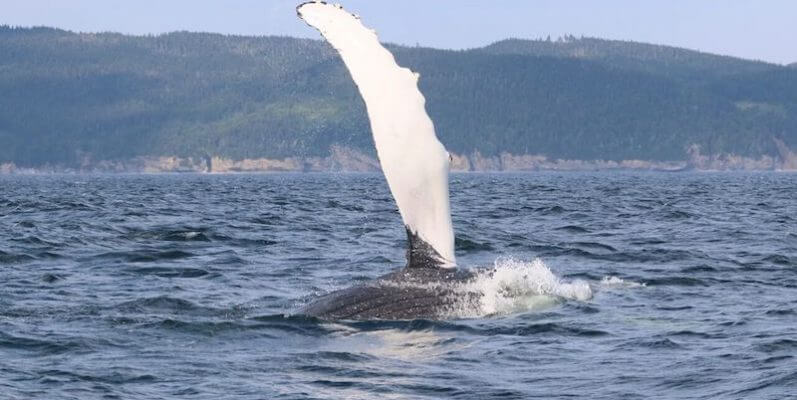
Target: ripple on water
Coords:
[[171, 286], [41, 347], [163, 304], [462, 243], [778, 345], [573, 229], [676, 281], [143, 255], [12, 258], [167, 272]]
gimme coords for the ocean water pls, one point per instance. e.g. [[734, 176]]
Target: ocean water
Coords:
[[595, 285]]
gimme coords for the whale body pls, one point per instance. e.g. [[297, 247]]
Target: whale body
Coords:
[[410, 293], [416, 167]]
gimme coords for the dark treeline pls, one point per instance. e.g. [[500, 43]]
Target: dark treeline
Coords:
[[67, 97]]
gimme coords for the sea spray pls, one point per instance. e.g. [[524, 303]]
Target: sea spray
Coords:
[[512, 286]]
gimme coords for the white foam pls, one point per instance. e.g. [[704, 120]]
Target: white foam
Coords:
[[615, 282], [512, 286]]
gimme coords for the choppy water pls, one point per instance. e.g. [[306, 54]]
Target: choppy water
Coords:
[[605, 286]]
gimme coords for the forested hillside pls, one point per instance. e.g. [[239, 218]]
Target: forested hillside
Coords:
[[66, 98], [660, 60]]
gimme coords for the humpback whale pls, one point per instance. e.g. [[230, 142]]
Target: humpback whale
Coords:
[[415, 165]]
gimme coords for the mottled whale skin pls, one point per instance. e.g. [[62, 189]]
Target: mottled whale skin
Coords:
[[409, 293], [421, 290]]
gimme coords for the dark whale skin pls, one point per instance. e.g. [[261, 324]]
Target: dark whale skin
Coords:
[[410, 293]]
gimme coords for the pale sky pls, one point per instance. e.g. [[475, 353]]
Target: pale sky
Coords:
[[753, 29]]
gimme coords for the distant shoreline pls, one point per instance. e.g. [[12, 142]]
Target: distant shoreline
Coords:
[[192, 173], [344, 159], [114, 103]]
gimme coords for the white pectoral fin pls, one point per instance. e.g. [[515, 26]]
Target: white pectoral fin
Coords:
[[413, 160]]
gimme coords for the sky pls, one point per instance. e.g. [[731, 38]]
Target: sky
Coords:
[[754, 29]]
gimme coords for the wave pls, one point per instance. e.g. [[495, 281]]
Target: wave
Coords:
[[171, 272], [11, 258], [143, 255], [41, 346]]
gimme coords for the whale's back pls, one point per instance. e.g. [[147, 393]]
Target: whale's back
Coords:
[[410, 293]]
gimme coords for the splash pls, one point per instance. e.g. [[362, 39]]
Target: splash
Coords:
[[611, 282], [513, 286]]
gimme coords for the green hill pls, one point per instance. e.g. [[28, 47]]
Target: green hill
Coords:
[[666, 61], [66, 98]]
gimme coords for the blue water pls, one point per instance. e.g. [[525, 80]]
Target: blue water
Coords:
[[604, 285]]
